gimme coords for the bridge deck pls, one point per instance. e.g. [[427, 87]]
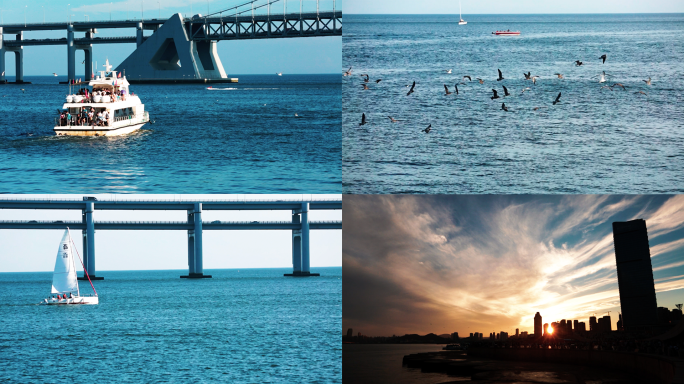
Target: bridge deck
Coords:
[[170, 205], [167, 225]]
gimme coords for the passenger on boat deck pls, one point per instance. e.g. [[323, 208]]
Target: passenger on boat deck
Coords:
[[68, 118], [71, 296], [106, 117], [90, 117]]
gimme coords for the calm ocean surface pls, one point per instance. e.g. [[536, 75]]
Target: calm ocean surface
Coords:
[[595, 141], [251, 325], [381, 363], [202, 141]]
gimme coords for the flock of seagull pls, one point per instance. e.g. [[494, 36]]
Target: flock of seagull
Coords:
[[528, 76]]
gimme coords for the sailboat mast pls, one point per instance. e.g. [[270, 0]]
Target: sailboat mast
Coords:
[[73, 262], [460, 16], [79, 259]]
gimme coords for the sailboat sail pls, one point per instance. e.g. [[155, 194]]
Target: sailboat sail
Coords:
[[64, 278]]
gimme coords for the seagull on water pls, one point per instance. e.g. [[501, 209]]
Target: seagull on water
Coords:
[[557, 98], [428, 129], [506, 91], [363, 119], [537, 108], [500, 75], [496, 95], [604, 57], [504, 107], [411, 90], [648, 82], [296, 115]]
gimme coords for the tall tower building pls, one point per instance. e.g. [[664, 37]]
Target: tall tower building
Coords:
[[350, 333], [635, 274], [538, 325], [592, 324]]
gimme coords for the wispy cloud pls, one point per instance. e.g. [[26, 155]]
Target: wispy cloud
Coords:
[[488, 263]]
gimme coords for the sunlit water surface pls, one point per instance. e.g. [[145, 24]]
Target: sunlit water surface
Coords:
[[595, 141]]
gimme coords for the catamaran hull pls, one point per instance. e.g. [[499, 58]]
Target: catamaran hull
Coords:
[[75, 300], [97, 131]]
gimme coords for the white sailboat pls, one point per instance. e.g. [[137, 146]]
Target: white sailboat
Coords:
[[460, 16], [64, 279]]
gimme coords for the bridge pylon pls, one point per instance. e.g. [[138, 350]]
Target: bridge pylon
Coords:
[[300, 243], [169, 55]]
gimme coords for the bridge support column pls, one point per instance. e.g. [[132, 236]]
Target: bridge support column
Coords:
[[89, 246], [195, 268], [139, 34], [19, 60], [300, 243], [71, 54], [2, 59], [88, 50]]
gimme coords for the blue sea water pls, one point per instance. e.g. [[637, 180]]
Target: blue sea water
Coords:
[[597, 140], [244, 139], [241, 326]]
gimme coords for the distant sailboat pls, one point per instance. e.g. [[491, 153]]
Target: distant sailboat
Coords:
[[64, 279], [279, 73], [54, 74], [460, 16]]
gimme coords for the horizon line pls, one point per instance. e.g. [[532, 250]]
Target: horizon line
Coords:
[[505, 14]]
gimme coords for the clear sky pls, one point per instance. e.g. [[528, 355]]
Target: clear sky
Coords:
[[266, 56], [442, 264], [35, 250], [511, 6]]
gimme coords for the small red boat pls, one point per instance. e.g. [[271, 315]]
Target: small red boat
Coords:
[[506, 33]]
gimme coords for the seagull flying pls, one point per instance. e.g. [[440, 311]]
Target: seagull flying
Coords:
[[648, 82], [557, 98], [411, 90], [527, 75], [428, 129], [500, 75], [504, 107], [467, 77], [578, 63], [496, 96], [365, 87], [506, 91], [480, 80], [604, 57], [378, 80], [392, 119], [363, 119], [560, 75], [448, 70], [446, 90], [534, 79]]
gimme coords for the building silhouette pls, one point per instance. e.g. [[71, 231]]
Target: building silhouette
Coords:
[[635, 275], [593, 326], [546, 329], [350, 333], [537, 325], [575, 324]]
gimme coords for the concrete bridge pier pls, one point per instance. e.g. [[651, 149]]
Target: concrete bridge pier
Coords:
[[18, 57], [139, 34], [300, 243], [88, 50], [195, 268], [2, 58], [89, 243], [71, 54]]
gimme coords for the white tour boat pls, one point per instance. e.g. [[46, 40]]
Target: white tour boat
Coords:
[[460, 16], [64, 280], [105, 108]]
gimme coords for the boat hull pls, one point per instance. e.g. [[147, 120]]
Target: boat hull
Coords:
[[507, 33], [96, 131], [462, 22], [87, 300]]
